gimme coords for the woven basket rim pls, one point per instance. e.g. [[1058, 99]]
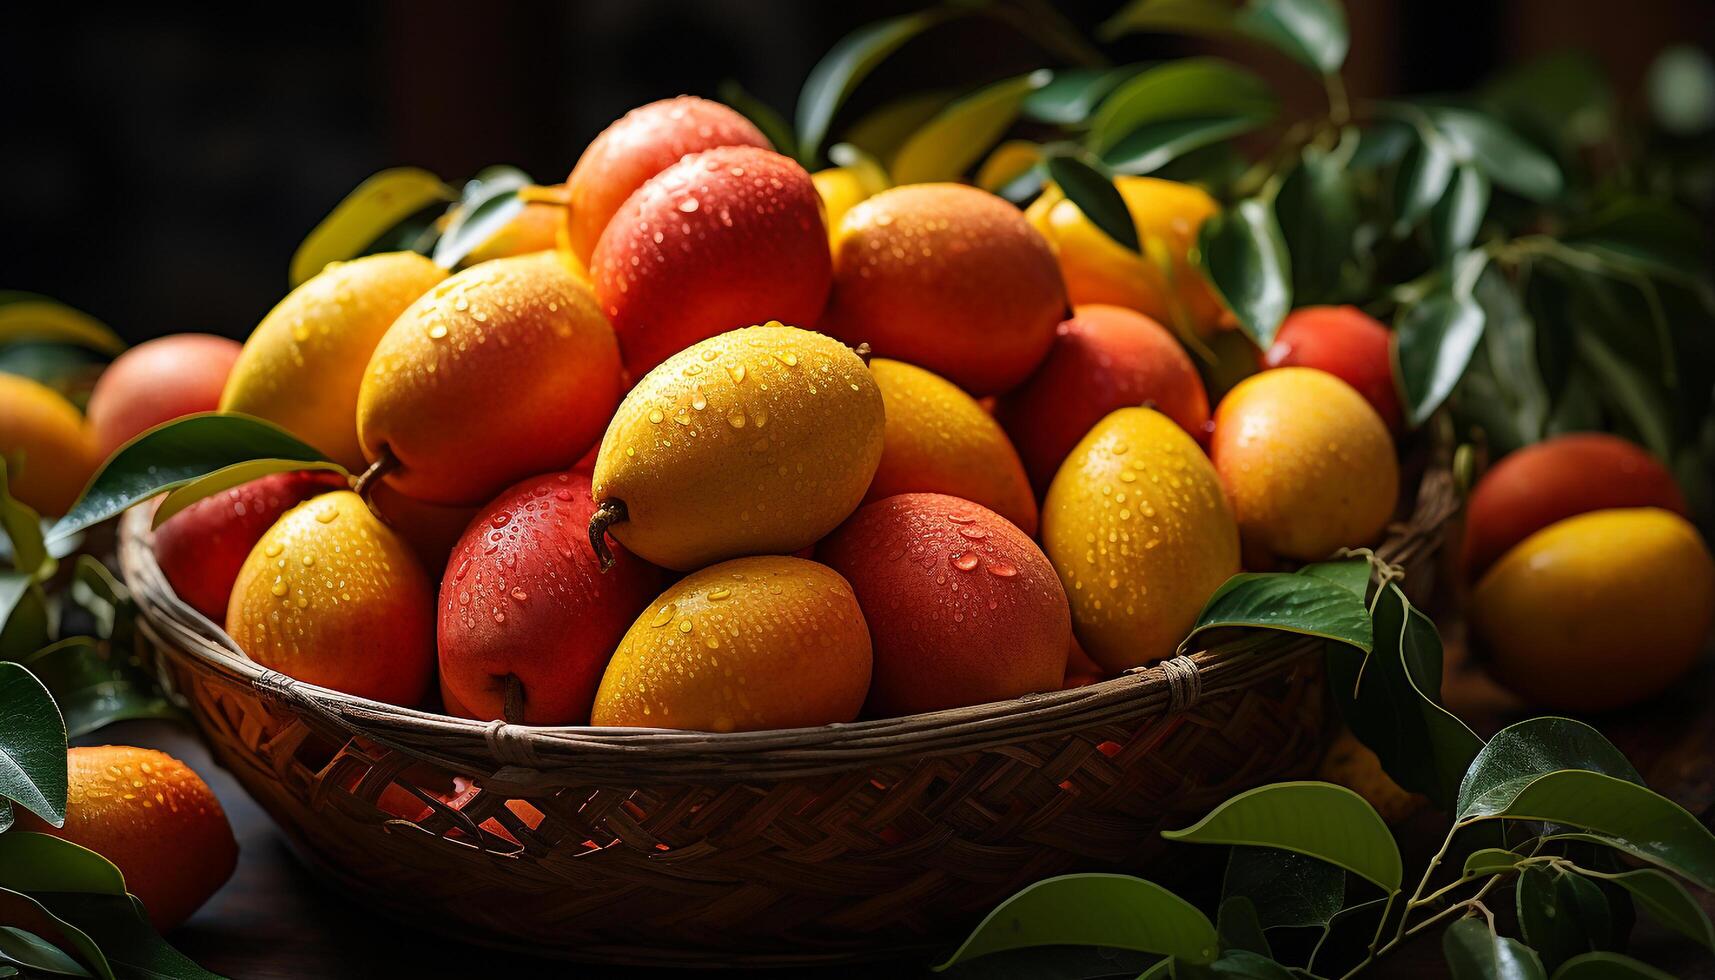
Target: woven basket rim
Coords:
[[630, 754]]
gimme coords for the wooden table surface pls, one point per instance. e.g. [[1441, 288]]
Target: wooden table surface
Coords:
[[275, 920]]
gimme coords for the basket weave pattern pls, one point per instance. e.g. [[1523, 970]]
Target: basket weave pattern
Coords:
[[766, 848]]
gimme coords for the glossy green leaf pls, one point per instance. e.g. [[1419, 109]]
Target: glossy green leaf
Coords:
[[1319, 820], [32, 318], [1648, 824], [16, 907], [13, 587], [121, 927], [1608, 966], [486, 207], [1392, 701], [881, 132], [1424, 174], [1072, 95], [1521, 753], [1502, 390], [1474, 952], [1650, 235], [1317, 208], [99, 592], [1249, 965], [1507, 159], [1434, 340], [1351, 574], [32, 862], [1560, 915], [1456, 218], [1094, 193], [1190, 88], [773, 125], [1669, 903], [376, 207], [171, 455], [228, 477], [1304, 604], [1152, 146], [1241, 251], [37, 954], [1239, 926], [95, 687], [1204, 18], [22, 527], [1286, 889], [1312, 32], [32, 746], [1382, 144], [28, 618], [1490, 861], [1117, 911], [957, 137], [846, 64], [68, 369]]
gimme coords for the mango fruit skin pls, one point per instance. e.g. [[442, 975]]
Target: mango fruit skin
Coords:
[[758, 441], [154, 818], [636, 147], [303, 364], [331, 596], [1308, 465], [1599, 611], [1558, 478], [948, 277], [720, 240], [1162, 282], [502, 371], [963, 607], [1345, 342], [50, 454], [156, 382], [939, 440], [745, 645], [843, 188], [1138, 527]]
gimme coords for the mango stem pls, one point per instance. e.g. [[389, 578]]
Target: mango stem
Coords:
[[608, 513], [864, 352], [385, 463], [512, 703]]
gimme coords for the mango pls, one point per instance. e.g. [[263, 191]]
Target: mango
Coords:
[[636, 147], [1345, 342], [939, 440], [1598, 611], [49, 452], [843, 188], [758, 441], [154, 818], [720, 240], [947, 277], [303, 364], [1103, 358], [1555, 479], [158, 381], [1137, 526], [331, 596], [745, 645], [1162, 282], [505, 370], [1308, 464], [963, 608]]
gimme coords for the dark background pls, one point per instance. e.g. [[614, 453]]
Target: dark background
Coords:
[[159, 166]]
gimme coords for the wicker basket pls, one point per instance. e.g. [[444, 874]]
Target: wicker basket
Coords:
[[769, 848]]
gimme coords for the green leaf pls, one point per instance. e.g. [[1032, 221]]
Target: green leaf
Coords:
[[881, 132], [171, 455], [1116, 911], [1456, 218], [95, 590], [773, 125], [1653, 236], [1521, 753], [22, 527], [94, 688], [1152, 146], [70, 370], [1434, 340], [1253, 966], [1304, 604], [228, 477], [1072, 95], [1632, 816], [1631, 391], [1382, 144], [1317, 208], [1562, 100], [1286, 890], [28, 622], [1503, 391], [486, 207], [1319, 820], [31, 862], [1608, 966], [1474, 952], [952, 142], [1094, 193], [1311, 32], [35, 953], [16, 906], [1499, 152], [1669, 903], [375, 208], [120, 925], [1392, 701], [32, 318], [1191, 88], [1560, 915], [1241, 251], [1351, 574], [846, 64], [32, 746], [1239, 926], [1424, 174], [1490, 861]]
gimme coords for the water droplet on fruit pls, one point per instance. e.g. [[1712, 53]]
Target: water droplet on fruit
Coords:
[[688, 205], [273, 549], [719, 594], [663, 615], [966, 562], [1001, 569], [685, 625], [437, 331], [736, 419], [972, 533], [279, 587], [655, 416]]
